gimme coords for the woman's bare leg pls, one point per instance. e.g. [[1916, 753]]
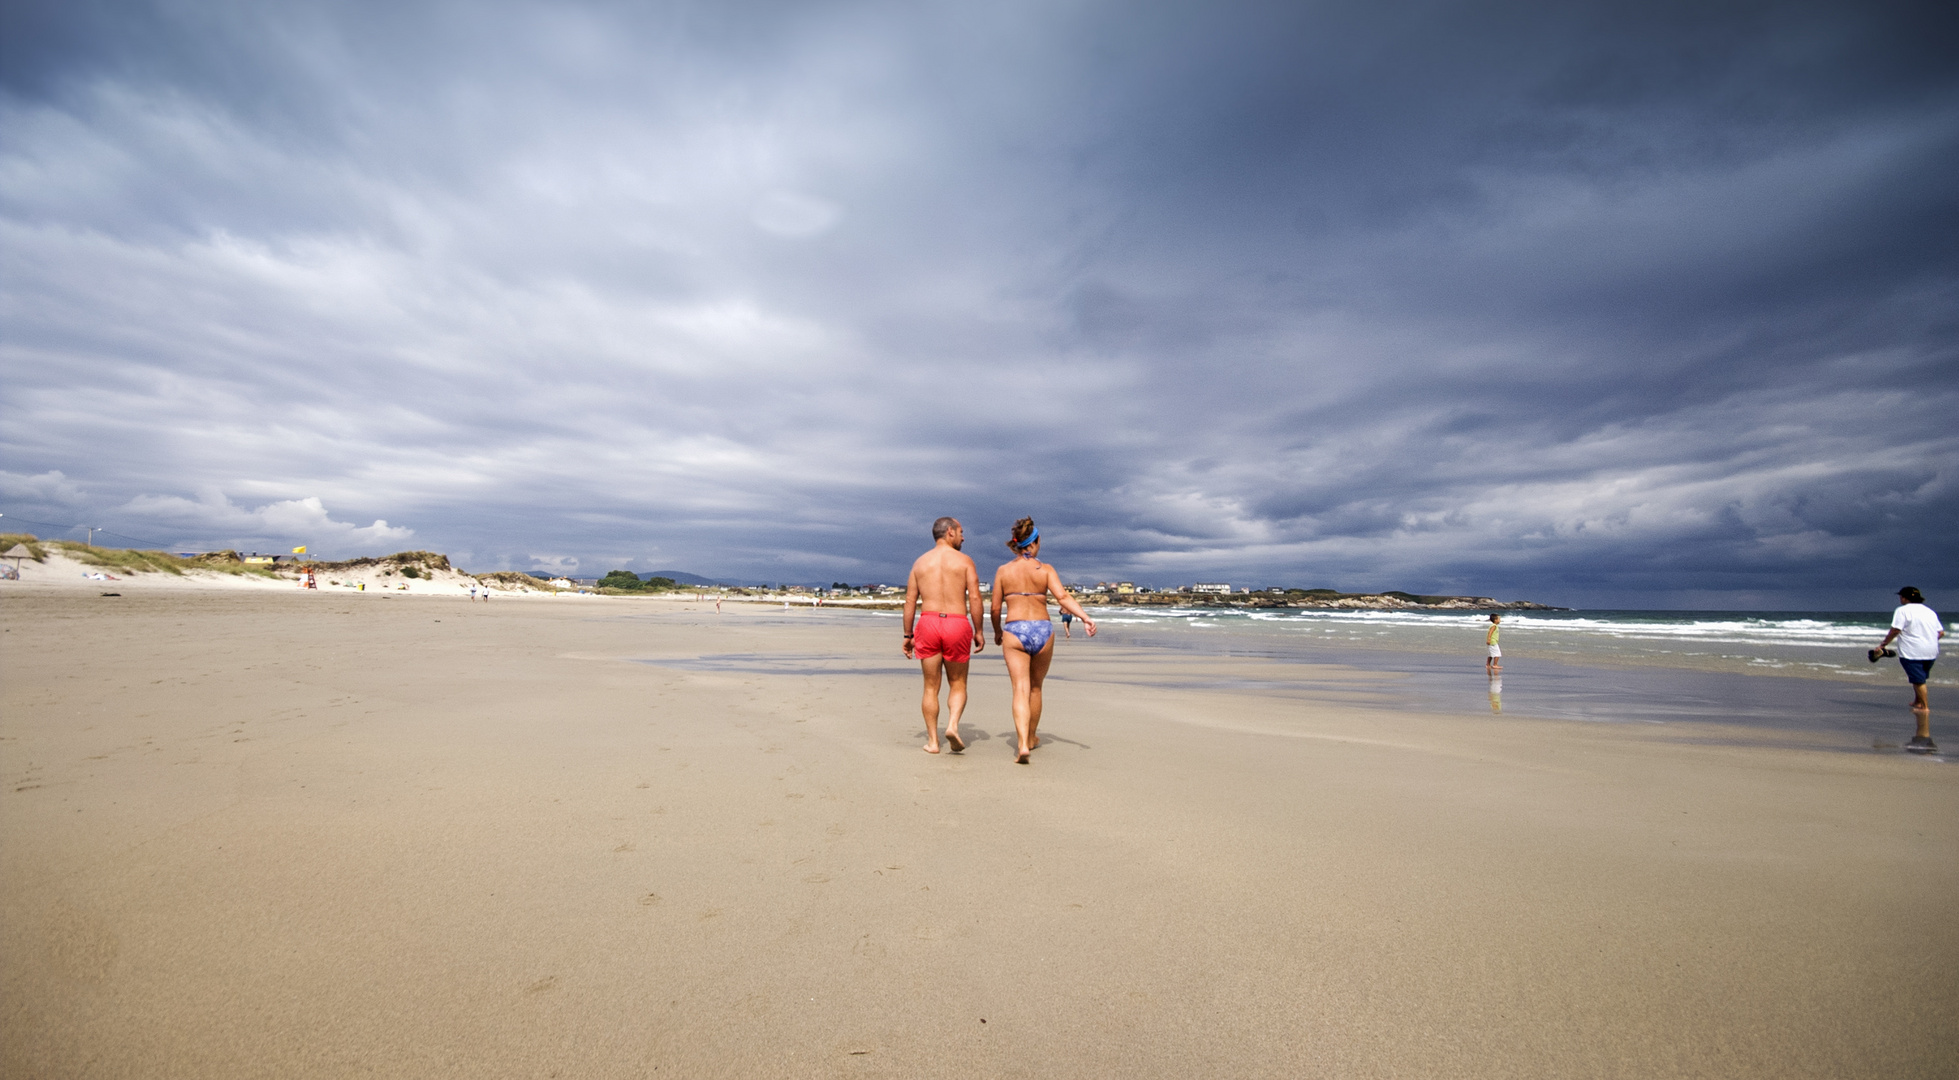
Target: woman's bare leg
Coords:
[[1018, 668], [1037, 674]]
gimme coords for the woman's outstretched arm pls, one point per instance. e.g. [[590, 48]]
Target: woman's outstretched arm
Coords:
[[1067, 600]]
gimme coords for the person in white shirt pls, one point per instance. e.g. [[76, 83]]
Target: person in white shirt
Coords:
[[1917, 630]]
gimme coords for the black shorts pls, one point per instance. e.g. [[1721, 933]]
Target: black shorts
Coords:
[[1917, 670]]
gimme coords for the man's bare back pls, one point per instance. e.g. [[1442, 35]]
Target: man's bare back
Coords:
[[942, 620], [945, 579]]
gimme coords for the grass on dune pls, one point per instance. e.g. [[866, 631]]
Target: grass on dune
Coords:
[[131, 561], [126, 560], [33, 543], [514, 578], [413, 564]]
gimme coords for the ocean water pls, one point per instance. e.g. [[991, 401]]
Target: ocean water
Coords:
[[1799, 678], [1784, 671], [1817, 645]]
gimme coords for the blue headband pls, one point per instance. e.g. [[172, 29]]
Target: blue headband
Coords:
[[1031, 538]]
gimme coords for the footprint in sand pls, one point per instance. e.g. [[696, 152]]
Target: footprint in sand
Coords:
[[868, 949]]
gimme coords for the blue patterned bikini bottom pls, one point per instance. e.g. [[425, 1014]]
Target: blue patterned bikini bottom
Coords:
[[1033, 633]]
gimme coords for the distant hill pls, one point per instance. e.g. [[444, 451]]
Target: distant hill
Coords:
[[680, 577]]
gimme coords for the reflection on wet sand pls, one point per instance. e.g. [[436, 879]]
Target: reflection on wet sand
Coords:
[[1323, 676], [1922, 743]]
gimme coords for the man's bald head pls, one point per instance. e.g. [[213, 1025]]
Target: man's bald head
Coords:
[[943, 526]]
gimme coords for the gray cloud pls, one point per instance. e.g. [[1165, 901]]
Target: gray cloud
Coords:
[[1591, 304]]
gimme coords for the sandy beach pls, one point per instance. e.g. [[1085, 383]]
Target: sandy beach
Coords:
[[256, 833]]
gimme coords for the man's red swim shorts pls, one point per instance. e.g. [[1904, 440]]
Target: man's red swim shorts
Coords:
[[938, 634]]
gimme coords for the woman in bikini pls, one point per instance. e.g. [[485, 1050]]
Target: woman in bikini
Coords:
[[1024, 585]]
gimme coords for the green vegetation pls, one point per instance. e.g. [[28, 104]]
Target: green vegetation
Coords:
[[130, 561], [123, 559], [33, 543], [427, 560], [227, 562], [1415, 598], [409, 564], [423, 562], [625, 581], [514, 579]]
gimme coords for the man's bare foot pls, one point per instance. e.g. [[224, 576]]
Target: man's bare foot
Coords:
[[958, 744], [1036, 741], [1022, 759], [930, 748]]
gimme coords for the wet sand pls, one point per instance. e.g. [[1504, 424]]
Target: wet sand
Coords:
[[259, 834]]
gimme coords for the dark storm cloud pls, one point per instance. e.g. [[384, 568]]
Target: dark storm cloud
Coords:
[[1581, 302]]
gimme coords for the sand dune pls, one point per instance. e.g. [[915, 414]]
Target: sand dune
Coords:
[[57, 569]]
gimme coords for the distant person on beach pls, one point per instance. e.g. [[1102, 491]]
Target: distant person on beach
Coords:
[[942, 627], [1067, 621], [1494, 663], [1024, 586], [1917, 630]]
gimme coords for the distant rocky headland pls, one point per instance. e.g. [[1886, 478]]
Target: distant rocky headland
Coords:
[[1314, 599]]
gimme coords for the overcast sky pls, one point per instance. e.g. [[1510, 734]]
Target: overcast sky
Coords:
[[1599, 304]]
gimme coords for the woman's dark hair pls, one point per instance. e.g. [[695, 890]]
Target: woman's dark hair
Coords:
[[1022, 529], [1908, 594]]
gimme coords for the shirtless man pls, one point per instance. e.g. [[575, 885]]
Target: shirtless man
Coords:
[[942, 597]]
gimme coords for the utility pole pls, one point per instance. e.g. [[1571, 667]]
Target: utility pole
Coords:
[[91, 534]]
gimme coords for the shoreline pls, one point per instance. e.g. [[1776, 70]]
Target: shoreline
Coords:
[[1687, 703], [63, 574]]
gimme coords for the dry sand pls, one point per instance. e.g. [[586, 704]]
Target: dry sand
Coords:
[[282, 834]]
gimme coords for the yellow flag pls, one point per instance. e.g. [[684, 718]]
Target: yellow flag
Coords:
[[300, 550]]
